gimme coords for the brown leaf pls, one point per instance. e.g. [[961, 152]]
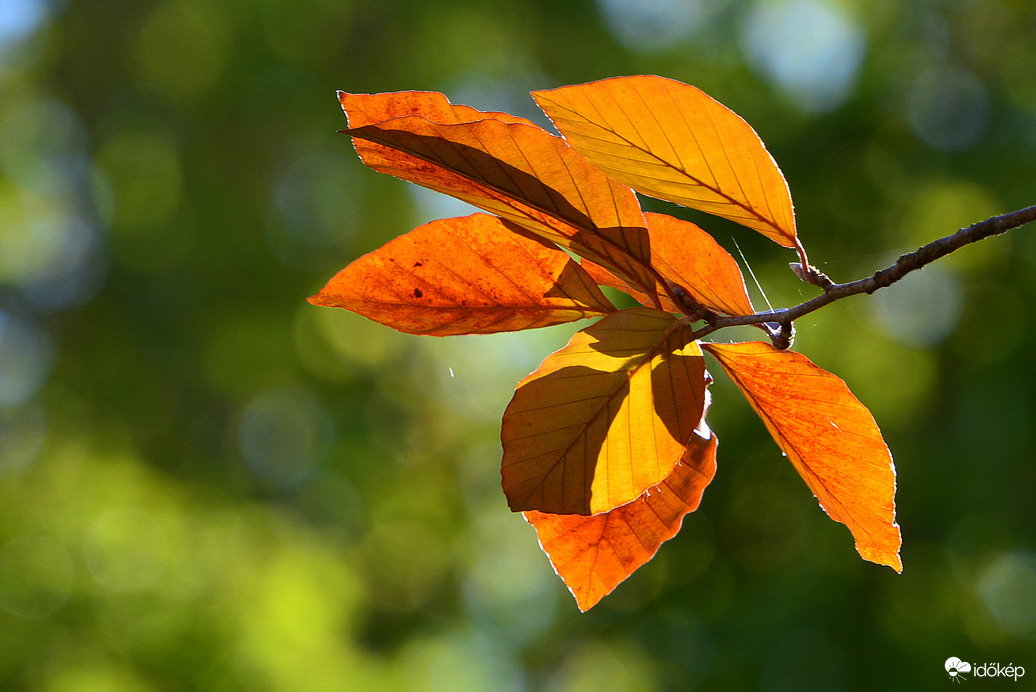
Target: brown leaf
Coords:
[[517, 171], [593, 555], [669, 140], [828, 435], [605, 417], [468, 275]]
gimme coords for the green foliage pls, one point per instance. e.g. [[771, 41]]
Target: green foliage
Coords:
[[206, 483]]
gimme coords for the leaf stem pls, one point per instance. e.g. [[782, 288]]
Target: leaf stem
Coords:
[[803, 260], [882, 278]]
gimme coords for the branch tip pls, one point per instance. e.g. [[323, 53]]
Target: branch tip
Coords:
[[781, 330]]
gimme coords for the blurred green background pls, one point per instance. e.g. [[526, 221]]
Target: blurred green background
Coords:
[[208, 484]]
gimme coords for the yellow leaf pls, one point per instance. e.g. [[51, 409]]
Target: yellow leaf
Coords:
[[606, 417], [669, 140]]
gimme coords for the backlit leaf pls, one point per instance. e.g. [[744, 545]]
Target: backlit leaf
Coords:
[[521, 173], [669, 140], [605, 417], [604, 277], [828, 435], [468, 275], [592, 555], [368, 109], [689, 258]]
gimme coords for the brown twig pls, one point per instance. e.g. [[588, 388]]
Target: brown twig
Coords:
[[880, 279]]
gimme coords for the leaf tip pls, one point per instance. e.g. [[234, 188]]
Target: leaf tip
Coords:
[[319, 299], [886, 553], [894, 561], [585, 604]]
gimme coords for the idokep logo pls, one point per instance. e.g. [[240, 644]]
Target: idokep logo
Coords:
[[958, 670]]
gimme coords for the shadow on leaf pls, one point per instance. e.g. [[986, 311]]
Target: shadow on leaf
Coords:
[[604, 418], [558, 196]]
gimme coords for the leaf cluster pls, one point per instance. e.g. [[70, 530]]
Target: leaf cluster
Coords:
[[605, 445]]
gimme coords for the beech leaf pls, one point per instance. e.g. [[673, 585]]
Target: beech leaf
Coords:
[[368, 109], [604, 277], [670, 140], [593, 555], [688, 257], [828, 435], [605, 417], [467, 275], [521, 173]]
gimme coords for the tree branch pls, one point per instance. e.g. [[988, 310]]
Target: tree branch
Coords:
[[779, 321]]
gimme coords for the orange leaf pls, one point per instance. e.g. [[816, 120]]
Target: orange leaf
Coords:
[[468, 275], [828, 435], [605, 417], [593, 555], [368, 109], [689, 258], [520, 172], [603, 277], [669, 140]]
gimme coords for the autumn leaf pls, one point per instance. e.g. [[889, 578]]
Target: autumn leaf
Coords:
[[691, 260], [594, 554], [829, 436], [605, 417], [604, 277], [369, 109], [670, 140], [468, 275], [521, 173]]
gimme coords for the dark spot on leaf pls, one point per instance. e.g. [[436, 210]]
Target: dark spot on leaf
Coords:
[[417, 293], [418, 264]]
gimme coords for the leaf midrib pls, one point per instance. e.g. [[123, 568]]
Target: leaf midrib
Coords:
[[670, 166]]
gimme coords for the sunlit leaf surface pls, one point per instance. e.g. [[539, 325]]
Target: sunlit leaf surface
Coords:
[[604, 277], [672, 141], [468, 275], [592, 555], [691, 260], [604, 418], [688, 257], [521, 173], [828, 435], [369, 109]]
